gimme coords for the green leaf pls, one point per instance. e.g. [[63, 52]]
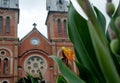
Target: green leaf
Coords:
[[61, 79], [116, 14], [104, 56], [101, 19], [85, 74], [88, 9], [31, 78], [69, 76], [80, 37]]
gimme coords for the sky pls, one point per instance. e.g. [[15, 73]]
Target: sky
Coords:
[[32, 12], [35, 12]]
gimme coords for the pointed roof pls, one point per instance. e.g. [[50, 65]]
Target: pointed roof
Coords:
[[32, 31]]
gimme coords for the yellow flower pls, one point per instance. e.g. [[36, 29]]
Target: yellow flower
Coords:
[[68, 53]]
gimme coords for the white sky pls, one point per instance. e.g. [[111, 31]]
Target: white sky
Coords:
[[35, 11], [32, 11]]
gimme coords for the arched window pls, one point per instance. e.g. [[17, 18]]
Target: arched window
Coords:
[[1, 24], [59, 27], [8, 25], [5, 82], [5, 70], [65, 29]]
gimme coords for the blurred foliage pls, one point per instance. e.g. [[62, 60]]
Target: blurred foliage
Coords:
[[31, 79], [97, 54]]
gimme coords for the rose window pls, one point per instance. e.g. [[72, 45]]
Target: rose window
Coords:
[[35, 64]]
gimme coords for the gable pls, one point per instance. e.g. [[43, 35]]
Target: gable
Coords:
[[34, 40]]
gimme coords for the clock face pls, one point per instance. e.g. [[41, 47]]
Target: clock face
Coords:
[[35, 41]]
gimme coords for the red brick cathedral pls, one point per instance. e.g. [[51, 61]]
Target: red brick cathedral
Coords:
[[31, 53]]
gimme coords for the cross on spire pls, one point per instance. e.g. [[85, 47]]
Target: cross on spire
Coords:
[[34, 25]]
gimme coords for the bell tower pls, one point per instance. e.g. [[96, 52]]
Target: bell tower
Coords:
[[57, 23], [57, 27], [56, 19], [9, 19]]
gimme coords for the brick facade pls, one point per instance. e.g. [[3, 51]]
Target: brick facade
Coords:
[[32, 53]]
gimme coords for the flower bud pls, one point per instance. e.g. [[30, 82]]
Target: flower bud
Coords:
[[117, 22], [110, 8], [114, 45]]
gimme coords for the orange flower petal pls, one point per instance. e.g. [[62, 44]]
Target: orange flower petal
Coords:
[[68, 53]]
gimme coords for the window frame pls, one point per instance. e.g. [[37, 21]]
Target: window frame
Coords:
[[59, 25], [1, 24], [7, 26], [65, 27], [5, 66]]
